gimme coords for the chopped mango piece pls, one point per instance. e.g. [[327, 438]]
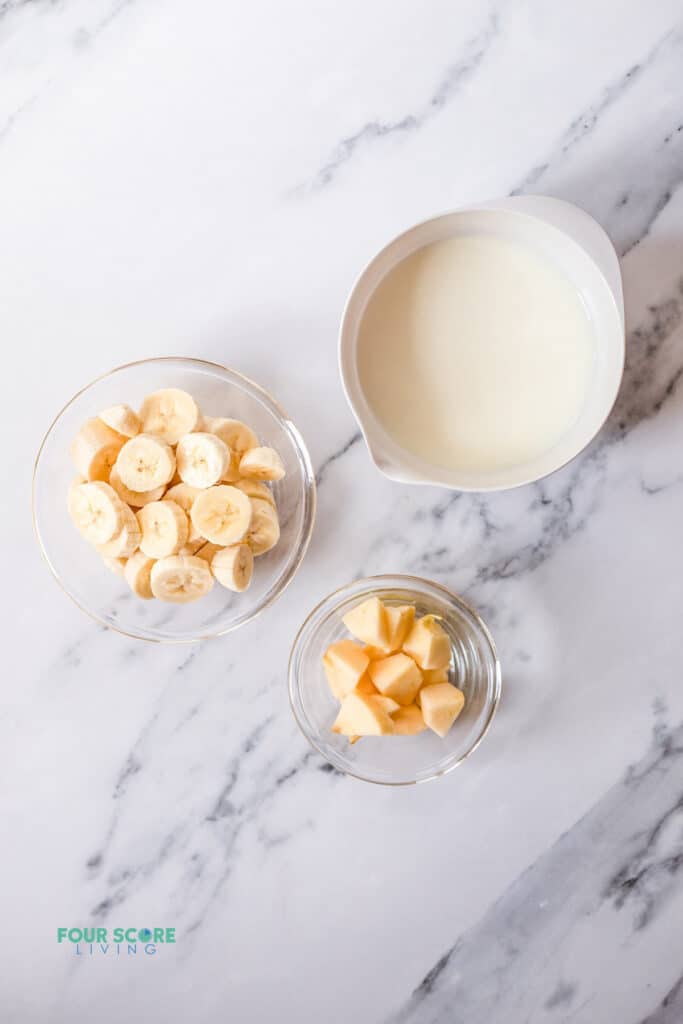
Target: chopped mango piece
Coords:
[[365, 685], [374, 653], [408, 721], [434, 675], [396, 679], [399, 619], [428, 644], [367, 622], [345, 663], [387, 704], [441, 704], [396, 676], [360, 716]]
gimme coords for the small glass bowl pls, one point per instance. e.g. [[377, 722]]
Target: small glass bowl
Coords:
[[396, 760], [78, 567]]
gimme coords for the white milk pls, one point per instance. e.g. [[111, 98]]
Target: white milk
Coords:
[[475, 353]]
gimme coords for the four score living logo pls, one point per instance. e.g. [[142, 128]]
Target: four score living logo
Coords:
[[117, 942]]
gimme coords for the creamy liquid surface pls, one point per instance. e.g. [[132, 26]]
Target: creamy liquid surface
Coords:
[[476, 354]]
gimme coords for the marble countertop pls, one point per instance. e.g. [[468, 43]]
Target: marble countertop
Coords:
[[207, 179]]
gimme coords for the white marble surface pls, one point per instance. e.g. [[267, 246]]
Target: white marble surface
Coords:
[[207, 179]]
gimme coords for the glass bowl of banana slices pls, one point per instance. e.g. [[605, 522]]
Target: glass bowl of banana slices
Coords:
[[173, 499], [394, 679]]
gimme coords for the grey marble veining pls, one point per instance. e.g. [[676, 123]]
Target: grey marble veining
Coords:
[[617, 869], [650, 159], [445, 89]]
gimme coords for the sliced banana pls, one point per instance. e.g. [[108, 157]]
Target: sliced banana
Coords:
[[145, 463], [180, 578], [262, 464], [264, 532], [76, 482], [233, 567], [222, 514], [235, 434], [202, 459], [127, 540], [137, 574], [207, 551], [256, 489], [170, 522], [94, 450], [169, 414], [232, 473], [96, 510], [184, 495], [115, 565], [136, 498], [122, 419], [193, 547], [164, 527]]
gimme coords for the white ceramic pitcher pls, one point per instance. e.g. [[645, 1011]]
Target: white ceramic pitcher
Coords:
[[580, 248]]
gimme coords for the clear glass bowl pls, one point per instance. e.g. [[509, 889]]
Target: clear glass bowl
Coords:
[[396, 760], [77, 566]]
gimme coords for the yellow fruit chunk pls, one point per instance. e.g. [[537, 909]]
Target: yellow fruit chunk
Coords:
[[345, 663], [374, 653], [441, 704], [365, 685], [367, 622], [399, 619], [428, 644], [408, 721], [396, 676], [387, 704], [434, 675], [360, 716]]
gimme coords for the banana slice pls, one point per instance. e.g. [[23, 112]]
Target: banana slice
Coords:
[[96, 510], [94, 450], [115, 565], [236, 435], [222, 514], [127, 540], [169, 414], [202, 459], [164, 527], [137, 574], [76, 482], [180, 578], [264, 532], [232, 473], [207, 551], [262, 464], [122, 419], [233, 567], [193, 547], [145, 463], [136, 498], [256, 489], [184, 495]]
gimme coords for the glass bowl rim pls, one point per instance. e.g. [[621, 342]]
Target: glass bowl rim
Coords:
[[418, 583], [309, 494]]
